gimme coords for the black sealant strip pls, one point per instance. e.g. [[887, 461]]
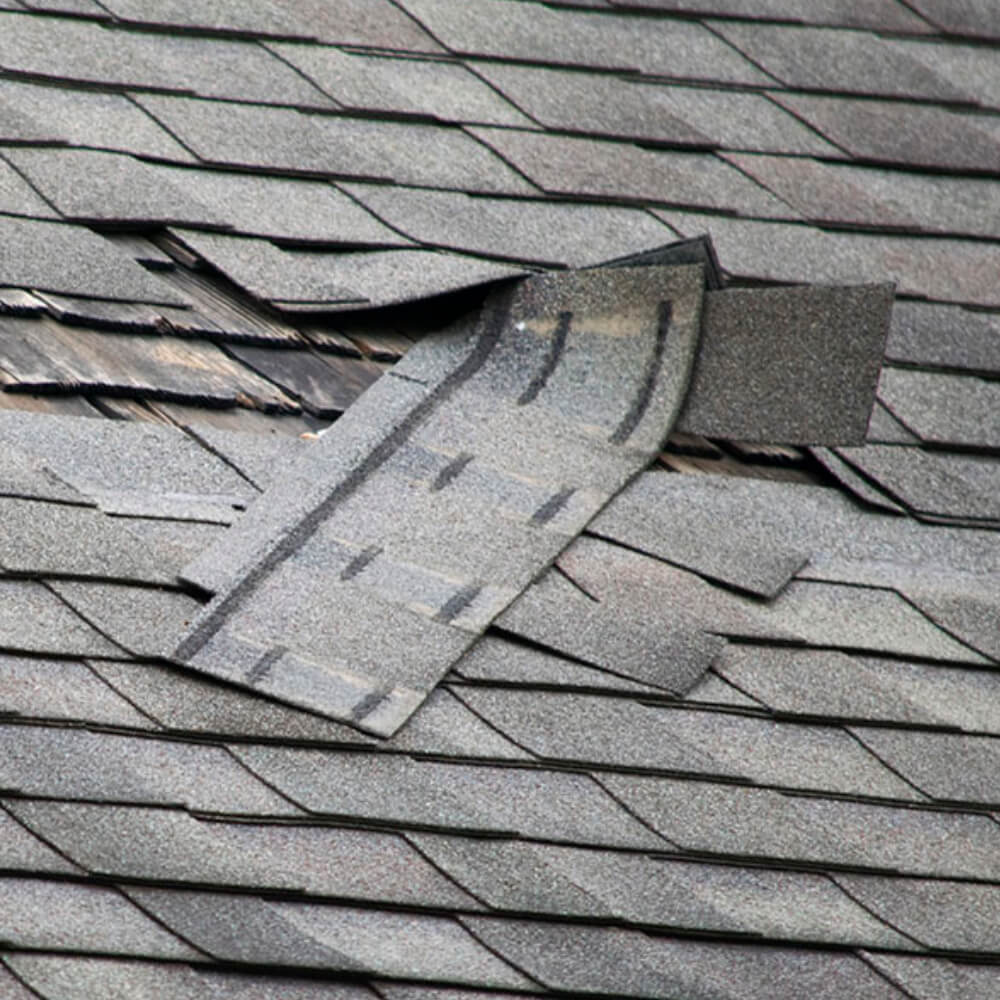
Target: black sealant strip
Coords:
[[552, 506], [290, 543], [263, 666], [451, 471], [356, 566], [457, 603], [645, 395], [552, 356]]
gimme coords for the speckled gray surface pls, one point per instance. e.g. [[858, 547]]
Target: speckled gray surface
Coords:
[[738, 743]]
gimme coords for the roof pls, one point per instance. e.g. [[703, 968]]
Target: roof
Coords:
[[363, 633]]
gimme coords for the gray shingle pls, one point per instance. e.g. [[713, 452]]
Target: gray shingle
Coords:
[[944, 409], [947, 766], [909, 134], [858, 486], [86, 51], [976, 18], [283, 208], [25, 476], [425, 87], [84, 118], [17, 197], [184, 703], [749, 384], [655, 516], [63, 690], [259, 457], [935, 913], [939, 336], [144, 620], [59, 916], [889, 15], [11, 988], [34, 620], [57, 257], [531, 32], [77, 978], [627, 963], [599, 169], [727, 820], [847, 61], [929, 482], [534, 803], [497, 659], [21, 850], [935, 978], [518, 230], [93, 186], [967, 67], [102, 766], [556, 614]]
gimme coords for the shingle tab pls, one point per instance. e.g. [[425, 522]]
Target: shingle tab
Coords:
[[937, 336]]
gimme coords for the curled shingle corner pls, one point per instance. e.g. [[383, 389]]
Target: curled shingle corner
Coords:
[[354, 584]]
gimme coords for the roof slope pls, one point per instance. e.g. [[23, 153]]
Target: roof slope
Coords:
[[738, 739]]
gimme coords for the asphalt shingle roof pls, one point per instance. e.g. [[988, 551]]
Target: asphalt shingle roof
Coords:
[[309, 349]]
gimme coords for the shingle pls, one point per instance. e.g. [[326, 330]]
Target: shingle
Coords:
[[627, 963], [966, 606], [21, 850], [406, 946], [34, 620], [935, 978], [146, 621], [727, 820], [943, 409], [103, 766], [424, 87], [243, 929], [889, 15], [534, 803], [750, 385], [598, 169], [847, 61], [530, 32], [943, 337], [283, 208], [976, 18], [62, 916], [518, 230], [184, 703], [497, 659], [935, 913], [947, 766], [967, 67], [93, 186], [57, 257], [908, 134], [857, 485], [258, 457], [83, 118], [61, 689], [17, 197], [86, 51], [11, 988], [939, 483], [24, 476], [656, 517], [61, 977], [554, 613]]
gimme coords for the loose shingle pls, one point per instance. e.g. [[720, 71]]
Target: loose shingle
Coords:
[[724, 820], [566, 165], [424, 87], [533, 803], [517, 230], [911, 135], [103, 767], [58, 257], [62, 916], [533, 33], [747, 374], [847, 61]]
